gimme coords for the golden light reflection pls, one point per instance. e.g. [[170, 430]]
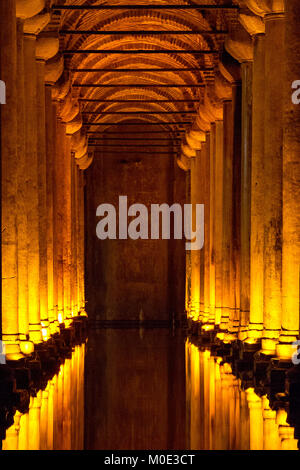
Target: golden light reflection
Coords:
[[223, 416], [55, 420]]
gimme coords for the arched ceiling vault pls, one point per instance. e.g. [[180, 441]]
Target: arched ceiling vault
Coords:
[[156, 102]]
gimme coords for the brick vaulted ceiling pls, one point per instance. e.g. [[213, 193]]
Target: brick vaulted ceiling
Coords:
[[212, 24]]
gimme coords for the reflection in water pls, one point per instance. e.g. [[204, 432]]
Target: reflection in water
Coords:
[[222, 416], [147, 389], [55, 419]]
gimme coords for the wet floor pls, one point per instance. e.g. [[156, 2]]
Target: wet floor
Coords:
[[147, 389]]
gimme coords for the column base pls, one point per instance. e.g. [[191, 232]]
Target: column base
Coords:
[[12, 351], [27, 347]]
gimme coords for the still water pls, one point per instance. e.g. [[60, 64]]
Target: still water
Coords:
[[147, 389]]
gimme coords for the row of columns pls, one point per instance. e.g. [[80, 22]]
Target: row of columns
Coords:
[[42, 196], [250, 260]]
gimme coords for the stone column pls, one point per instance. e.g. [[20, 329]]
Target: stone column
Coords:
[[257, 192], [218, 227], [22, 226], [213, 221], [274, 58], [195, 254], [67, 236], [245, 197], [227, 288], [235, 247], [82, 241], [206, 248], [58, 176], [50, 149], [30, 77], [291, 185], [8, 69], [42, 196]]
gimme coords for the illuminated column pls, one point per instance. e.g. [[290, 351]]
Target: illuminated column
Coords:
[[58, 221], [42, 194], [256, 420], [81, 240], [50, 149], [235, 246], [257, 192], [30, 77], [212, 215], [227, 290], [66, 229], [195, 254], [8, 67], [205, 155], [246, 68], [291, 195], [218, 227], [274, 58], [22, 227], [74, 238]]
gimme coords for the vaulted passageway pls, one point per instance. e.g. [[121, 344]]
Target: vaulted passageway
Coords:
[[189, 103]]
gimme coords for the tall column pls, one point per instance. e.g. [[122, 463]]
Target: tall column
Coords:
[[212, 221], [245, 197], [30, 77], [195, 254], [257, 192], [82, 241], [58, 175], [218, 227], [227, 291], [291, 185], [42, 196], [22, 225], [50, 149], [8, 68], [67, 236], [206, 248], [235, 246], [274, 58]]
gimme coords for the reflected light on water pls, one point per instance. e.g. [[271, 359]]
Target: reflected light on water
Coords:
[[223, 416], [55, 420]]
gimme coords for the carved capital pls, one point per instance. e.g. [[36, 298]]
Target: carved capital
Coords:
[[239, 45], [46, 47], [28, 8], [36, 24]]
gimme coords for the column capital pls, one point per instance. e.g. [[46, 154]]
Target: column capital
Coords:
[[46, 47], [239, 45], [36, 24], [54, 69], [263, 7], [28, 8], [253, 24]]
